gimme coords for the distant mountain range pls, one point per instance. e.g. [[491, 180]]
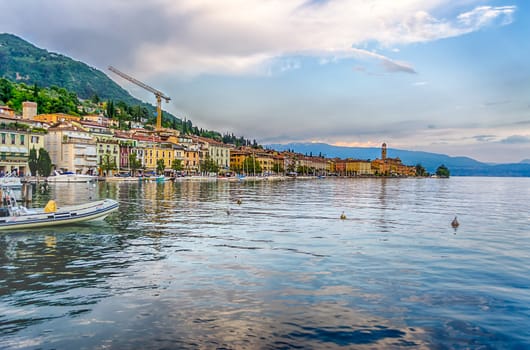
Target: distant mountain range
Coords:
[[23, 62], [458, 166]]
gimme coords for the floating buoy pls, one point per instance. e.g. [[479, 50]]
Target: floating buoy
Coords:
[[455, 223], [343, 216]]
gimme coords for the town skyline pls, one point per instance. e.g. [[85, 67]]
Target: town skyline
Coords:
[[421, 75]]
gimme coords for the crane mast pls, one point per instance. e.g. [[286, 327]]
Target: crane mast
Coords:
[[158, 94]]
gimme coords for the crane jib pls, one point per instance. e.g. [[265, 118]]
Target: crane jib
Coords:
[[158, 94]]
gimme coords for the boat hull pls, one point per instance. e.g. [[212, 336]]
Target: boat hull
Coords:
[[97, 210], [71, 178]]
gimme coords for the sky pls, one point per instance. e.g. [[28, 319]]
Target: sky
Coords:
[[442, 76]]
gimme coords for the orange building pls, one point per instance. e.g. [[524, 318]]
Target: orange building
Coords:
[[53, 118]]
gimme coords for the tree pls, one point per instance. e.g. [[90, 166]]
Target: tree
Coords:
[[134, 163], [6, 90], [442, 171], [33, 161], [277, 168], [107, 164], [420, 170], [177, 164], [251, 165], [291, 166], [44, 163], [160, 166], [209, 165]]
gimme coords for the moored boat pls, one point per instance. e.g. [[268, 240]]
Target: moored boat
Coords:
[[14, 216], [11, 181], [70, 177]]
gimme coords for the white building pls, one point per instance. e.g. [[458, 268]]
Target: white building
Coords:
[[72, 148]]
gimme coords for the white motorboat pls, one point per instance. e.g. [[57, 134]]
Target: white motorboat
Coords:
[[69, 176], [11, 182], [14, 216]]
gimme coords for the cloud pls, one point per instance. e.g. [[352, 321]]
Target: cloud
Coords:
[[190, 37], [516, 139], [389, 64], [484, 138], [484, 15]]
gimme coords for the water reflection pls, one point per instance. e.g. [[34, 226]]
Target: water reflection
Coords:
[[171, 269]]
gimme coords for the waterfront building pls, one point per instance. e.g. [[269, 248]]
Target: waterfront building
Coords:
[[265, 160], [17, 138], [237, 159], [71, 148], [127, 146], [353, 167], [391, 166], [14, 151], [179, 154], [191, 158], [164, 151], [107, 146], [217, 151]]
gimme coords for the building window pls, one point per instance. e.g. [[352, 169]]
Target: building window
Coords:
[[12, 139], [3, 139], [22, 140]]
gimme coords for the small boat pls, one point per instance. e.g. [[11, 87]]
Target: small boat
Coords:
[[11, 182], [14, 216], [156, 178], [69, 176]]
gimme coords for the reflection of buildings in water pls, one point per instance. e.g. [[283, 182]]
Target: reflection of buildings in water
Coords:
[[72, 193]]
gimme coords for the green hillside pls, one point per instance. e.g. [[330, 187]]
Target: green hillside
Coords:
[[34, 74], [25, 63], [20, 61]]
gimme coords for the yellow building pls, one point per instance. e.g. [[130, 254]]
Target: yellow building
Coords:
[[156, 151], [237, 159], [54, 118], [266, 162], [354, 167], [191, 159]]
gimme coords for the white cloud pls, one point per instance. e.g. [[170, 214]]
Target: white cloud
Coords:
[[483, 15], [245, 36], [190, 37], [389, 64]]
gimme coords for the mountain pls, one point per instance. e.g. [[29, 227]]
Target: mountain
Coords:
[[459, 166], [20, 61], [23, 62]]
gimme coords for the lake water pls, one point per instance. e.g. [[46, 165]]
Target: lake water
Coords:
[[173, 269]]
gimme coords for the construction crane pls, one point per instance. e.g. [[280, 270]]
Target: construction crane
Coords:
[[159, 95]]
